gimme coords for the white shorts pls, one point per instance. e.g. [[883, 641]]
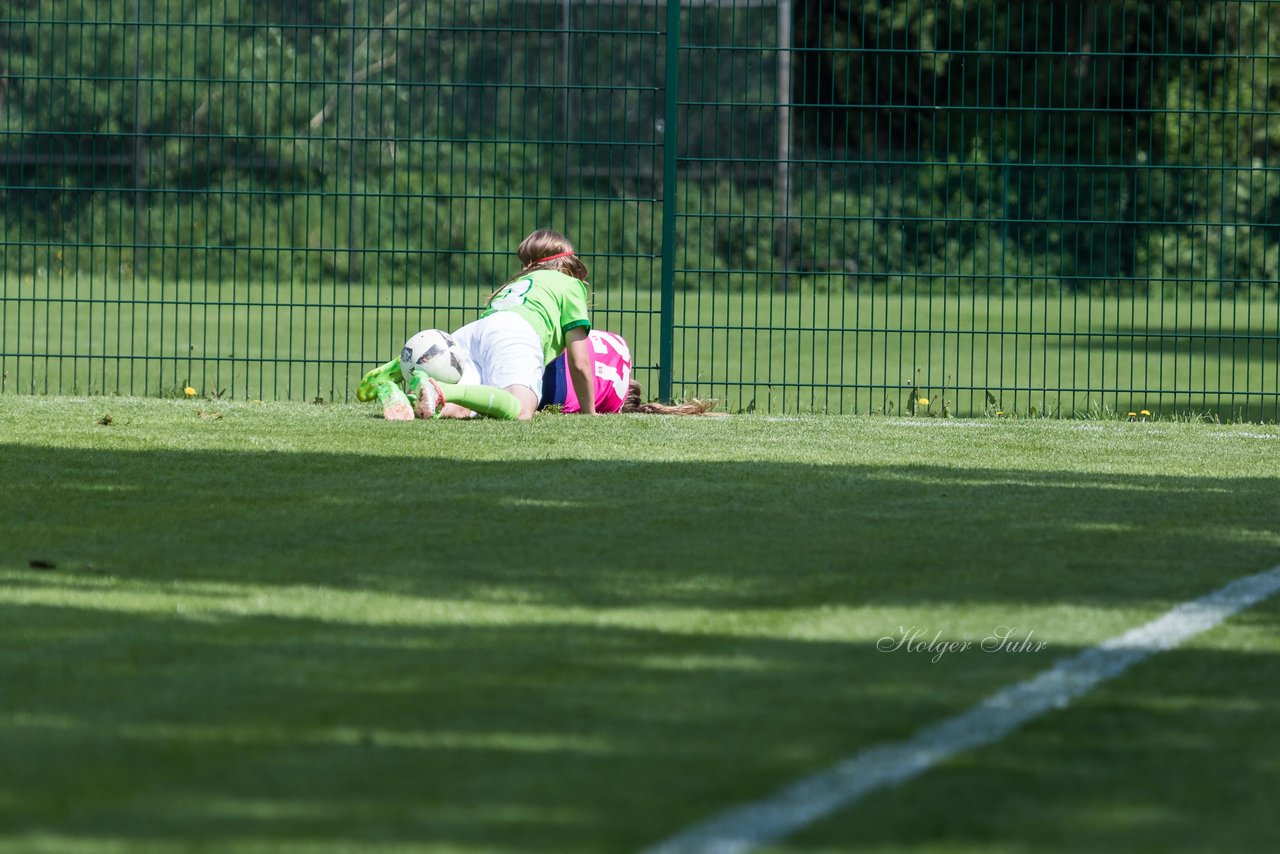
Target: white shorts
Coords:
[[505, 351]]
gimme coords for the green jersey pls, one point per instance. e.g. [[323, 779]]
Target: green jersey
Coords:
[[552, 302]]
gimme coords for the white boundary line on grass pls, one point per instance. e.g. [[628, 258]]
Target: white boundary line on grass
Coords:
[[812, 798]]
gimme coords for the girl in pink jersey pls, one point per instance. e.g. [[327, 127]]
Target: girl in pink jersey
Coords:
[[615, 391], [611, 375]]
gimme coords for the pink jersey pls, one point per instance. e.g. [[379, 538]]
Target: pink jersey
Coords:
[[612, 359]]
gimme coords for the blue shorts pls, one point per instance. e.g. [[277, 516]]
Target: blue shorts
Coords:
[[554, 384]]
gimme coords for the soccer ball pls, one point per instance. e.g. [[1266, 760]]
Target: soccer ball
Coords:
[[437, 353]]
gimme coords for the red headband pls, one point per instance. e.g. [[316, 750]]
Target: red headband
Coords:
[[553, 257]]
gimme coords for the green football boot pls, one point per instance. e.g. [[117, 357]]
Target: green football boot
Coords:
[[428, 398], [368, 388], [395, 404]]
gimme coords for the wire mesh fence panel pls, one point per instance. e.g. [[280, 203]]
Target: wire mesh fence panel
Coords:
[[901, 206], [981, 207], [264, 200]]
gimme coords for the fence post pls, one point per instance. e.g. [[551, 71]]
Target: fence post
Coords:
[[140, 254], [353, 251], [782, 184], [671, 93]]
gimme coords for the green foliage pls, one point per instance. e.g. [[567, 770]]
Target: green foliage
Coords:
[[1105, 145], [1117, 142]]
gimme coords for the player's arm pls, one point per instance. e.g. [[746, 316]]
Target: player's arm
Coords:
[[581, 372]]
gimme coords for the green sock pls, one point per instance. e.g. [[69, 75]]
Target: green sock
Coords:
[[487, 400]]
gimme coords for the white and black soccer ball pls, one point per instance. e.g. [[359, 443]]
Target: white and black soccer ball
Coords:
[[435, 352]]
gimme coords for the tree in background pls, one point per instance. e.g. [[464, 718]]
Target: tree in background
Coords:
[[1078, 143], [1104, 141]]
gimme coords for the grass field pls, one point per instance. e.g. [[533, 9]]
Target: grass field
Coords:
[[833, 351], [266, 626]]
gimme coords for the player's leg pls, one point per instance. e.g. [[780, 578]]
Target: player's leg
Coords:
[[507, 355], [434, 399], [516, 361], [453, 410], [486, 400], [527, 400]]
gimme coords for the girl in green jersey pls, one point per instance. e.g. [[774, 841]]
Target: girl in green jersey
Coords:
[[538, 314]]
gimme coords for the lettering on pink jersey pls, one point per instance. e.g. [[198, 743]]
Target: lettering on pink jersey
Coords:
[[611, 360]]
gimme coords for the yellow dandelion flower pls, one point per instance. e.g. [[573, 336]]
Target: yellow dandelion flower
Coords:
[[1133, 415], [189, 391], [999, 412], [1145, 413], [924, 401]]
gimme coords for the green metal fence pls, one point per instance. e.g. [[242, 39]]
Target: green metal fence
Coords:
[[904, 206]]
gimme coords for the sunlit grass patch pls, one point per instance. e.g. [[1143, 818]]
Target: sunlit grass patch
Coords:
[[300, 626]]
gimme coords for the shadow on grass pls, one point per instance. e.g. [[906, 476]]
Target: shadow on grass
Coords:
[[1260, 348], [559, 655], [716, 535], [148, 729], [165, 727], [1177, 755]]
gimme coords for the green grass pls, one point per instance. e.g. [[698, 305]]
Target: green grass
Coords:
[[299, 627], [808, 350]]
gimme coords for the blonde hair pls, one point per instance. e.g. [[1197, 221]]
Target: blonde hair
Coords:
[[546, 249], [634, 402]]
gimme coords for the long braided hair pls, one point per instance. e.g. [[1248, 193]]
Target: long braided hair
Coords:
[[634, 402]]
